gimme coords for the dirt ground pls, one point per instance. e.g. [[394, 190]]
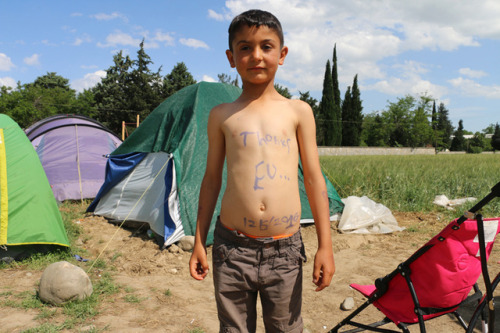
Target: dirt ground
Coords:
[[158, 295]]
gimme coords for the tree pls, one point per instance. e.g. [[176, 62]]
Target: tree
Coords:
[[224, 78], [348, 130], [111, 95], [458, 142], [325, 118], [444, 128], [374, 132], [398, 121], [335, 79], [495, 139], [356, 114], [178, 78], [313, 102], [283, 91]]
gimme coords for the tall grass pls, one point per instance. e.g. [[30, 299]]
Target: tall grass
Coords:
[[410, 183]]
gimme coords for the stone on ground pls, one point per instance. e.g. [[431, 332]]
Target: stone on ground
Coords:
[[62, 282]]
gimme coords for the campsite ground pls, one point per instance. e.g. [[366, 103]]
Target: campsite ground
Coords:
[[156, 293]]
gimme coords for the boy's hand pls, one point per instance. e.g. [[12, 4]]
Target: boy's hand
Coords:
[[198, 264], [324, 268]]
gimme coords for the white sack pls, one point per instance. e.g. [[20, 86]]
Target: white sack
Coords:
[[442, 200], [363, 215]]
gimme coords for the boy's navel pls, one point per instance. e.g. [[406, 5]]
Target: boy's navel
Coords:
[[262, 207]]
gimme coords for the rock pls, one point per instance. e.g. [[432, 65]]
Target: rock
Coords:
[[347, 304], [186, 243], [62, 282], [174, 249]]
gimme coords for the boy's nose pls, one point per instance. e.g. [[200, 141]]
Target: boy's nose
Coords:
[[257, 53]]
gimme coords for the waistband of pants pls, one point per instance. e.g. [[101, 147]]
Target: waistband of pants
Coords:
[[242, 239]]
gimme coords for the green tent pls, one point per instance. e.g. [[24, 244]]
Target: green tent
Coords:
[[155, 175], [29, 218]]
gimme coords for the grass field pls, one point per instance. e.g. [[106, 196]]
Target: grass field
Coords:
[[410, 183]]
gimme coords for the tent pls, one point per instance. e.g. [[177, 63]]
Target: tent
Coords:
[[29, 218], [155, 175], [73, 150]]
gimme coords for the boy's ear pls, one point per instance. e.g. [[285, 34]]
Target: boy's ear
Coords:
[[230, 57], [284, 52]]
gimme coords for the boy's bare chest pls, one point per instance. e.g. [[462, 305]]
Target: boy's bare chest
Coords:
[[272, 133]]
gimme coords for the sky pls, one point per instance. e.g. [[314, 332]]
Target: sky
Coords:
[[445, 49]]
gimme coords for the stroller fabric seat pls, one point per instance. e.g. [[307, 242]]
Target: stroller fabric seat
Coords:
[[442, 276]]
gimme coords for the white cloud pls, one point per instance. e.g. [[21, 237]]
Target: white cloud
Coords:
[[369, 33], [216, 16], [471, 88], [5, 63], [166, 38], [82, 39], [472, 73], [108, 17], [194, 43], [208, 78], [88, 81], [119, 38], [8, 82], [34, 60]]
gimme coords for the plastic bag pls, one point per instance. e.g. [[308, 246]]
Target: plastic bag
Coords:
[[363, 215]]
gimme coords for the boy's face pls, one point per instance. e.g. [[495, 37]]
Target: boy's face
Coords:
[[256, 54]]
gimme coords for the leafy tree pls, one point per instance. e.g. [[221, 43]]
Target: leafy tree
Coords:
[[477, 143], [398, 120], [313, 102], [224, 78], [111, 95], [48, 95], [374, 132], [178, 78], [421, 129], [325, 119], [458, 142], [283, 91]]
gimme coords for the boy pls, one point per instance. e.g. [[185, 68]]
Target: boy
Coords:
[[257, 244]]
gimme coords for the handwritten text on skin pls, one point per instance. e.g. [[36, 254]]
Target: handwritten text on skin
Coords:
[[264, 224], [266, 139], [263, 169]]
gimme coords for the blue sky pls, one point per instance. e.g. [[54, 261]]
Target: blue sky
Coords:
[[447, 49]]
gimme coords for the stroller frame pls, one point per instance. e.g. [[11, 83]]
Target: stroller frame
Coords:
[[403, 269]]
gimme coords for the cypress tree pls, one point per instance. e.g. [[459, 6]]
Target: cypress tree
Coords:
[[347, 125], [325, 114], [444, 127], [335, 79], [495, 139], [357, 112], [458, 142]]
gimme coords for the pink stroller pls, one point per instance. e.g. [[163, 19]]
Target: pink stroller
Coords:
[[437, 278]]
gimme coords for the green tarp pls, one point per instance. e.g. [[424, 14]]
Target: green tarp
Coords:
[[178, 126]]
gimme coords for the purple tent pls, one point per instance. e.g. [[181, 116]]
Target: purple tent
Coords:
[[73, 150]]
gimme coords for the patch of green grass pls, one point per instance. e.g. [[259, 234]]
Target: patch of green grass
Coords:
[[167, 293], [196, 330], [131, 298], [410, 183]]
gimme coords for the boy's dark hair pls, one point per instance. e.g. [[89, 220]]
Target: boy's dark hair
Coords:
[[255, 17]]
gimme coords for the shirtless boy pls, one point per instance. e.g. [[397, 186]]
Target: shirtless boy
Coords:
[[257, 247]]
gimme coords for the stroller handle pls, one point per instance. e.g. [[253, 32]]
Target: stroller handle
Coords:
[[495, 192]]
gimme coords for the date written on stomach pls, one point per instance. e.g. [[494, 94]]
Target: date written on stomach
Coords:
[[288, 221]]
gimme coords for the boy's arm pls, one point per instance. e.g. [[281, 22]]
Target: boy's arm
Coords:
[[324, 266], [209, 192]]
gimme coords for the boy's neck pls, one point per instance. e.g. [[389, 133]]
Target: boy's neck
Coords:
[[258, 91]]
